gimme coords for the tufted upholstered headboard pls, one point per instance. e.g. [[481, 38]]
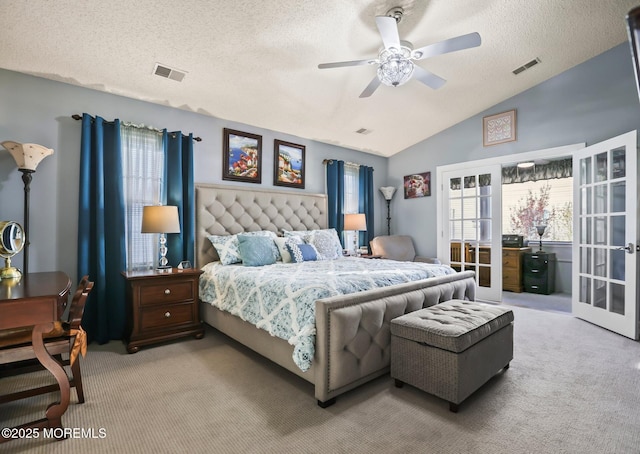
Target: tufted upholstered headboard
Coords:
[[225, 210]]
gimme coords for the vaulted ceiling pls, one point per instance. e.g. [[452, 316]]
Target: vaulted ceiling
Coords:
[[256, 61]]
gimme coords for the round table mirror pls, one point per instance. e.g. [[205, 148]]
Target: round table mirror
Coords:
[[11, 242]]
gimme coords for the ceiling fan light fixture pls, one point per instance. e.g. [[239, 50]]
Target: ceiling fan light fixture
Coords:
[[395, 67]]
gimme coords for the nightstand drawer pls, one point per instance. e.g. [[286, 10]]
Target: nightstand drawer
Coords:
[[166, 316], [168, 292]]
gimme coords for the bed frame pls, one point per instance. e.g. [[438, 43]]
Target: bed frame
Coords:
[[352, 331]]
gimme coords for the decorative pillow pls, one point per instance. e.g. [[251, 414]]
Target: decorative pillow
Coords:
[[227, 248], [326, 242], [256, 250], [281, 243], [227, 245], [302, 252], [268, 234]]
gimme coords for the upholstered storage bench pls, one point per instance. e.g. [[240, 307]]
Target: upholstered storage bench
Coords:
[[451, 349]]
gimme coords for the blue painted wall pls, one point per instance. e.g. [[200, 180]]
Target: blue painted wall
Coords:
[[588, 103], [591, 102], [38, 110]]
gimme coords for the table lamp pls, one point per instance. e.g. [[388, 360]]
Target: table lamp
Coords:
[[540, 229], [161, 219], [356, 222]]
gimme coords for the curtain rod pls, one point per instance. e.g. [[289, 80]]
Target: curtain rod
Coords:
[[79, 117], [347, 163]]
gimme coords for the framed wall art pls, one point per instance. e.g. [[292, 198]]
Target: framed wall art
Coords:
[[288, 164], [499, 128], [417, 185], [242, 156]]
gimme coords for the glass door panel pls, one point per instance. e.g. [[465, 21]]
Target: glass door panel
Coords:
[[470, 204], [604, 276]]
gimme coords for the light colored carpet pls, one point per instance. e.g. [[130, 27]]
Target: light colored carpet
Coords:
[[572, 388], [556, 302]]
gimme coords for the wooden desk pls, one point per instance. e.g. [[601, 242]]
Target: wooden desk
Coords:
[[38, 299]]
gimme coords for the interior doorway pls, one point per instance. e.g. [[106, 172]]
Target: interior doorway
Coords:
[[447, 238]]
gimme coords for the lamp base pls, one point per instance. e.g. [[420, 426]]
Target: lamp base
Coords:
[[164, 269], [9, 273]]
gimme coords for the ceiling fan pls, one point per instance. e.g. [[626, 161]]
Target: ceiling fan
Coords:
[[396, 59]]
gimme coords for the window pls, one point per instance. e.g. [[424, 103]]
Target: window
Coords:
[[543, 196], [351, 195], [143, 180]]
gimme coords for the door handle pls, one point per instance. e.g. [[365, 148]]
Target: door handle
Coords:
[[629, 248]]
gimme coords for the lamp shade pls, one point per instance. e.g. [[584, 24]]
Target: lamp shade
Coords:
[[388, 192], [355, 222], [160, 219], [27, 155]]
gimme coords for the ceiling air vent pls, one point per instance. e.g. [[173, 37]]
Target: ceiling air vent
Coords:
[[363, 131], [169, 73], [526, 66]]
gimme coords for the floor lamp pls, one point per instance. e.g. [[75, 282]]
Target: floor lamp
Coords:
[[27, 157], [388, 192]]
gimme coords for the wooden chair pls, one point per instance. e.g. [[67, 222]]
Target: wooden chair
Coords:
[[67, 337]]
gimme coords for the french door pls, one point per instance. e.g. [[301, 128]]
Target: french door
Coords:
[[472, 199], [605, 256]]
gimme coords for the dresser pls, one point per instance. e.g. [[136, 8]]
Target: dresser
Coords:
[[512, 268], [161, 306], [539, 270]]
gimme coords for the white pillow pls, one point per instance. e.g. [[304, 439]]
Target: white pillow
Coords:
[[326, 242], [281, 242]]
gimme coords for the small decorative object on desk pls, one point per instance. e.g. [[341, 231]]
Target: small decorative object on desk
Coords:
[[184, 265]]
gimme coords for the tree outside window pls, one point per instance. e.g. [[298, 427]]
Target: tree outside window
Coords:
[[547, 202]]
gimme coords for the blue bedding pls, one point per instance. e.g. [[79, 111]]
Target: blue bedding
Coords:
[[280, 298]]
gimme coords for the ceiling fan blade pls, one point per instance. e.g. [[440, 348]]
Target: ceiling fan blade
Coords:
[[449, 45], [341, 64], [373, 85], [388, 28], [428, 78]]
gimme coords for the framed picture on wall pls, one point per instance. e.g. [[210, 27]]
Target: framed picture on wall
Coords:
[[242, 156], [288, 164], [499, 128], [417, 185]]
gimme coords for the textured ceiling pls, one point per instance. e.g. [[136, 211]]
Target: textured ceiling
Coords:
[[255, 61]]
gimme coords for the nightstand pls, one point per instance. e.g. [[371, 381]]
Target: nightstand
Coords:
[[161, 306], [370, 256]]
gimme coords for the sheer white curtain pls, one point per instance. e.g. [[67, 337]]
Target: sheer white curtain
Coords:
[[351, 194], [143, 180]]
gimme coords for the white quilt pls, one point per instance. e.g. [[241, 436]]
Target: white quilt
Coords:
[[280, 298]]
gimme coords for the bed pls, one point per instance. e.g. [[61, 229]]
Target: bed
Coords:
[[350, 339]]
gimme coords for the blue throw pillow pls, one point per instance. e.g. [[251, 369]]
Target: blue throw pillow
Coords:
[[256, 250], [302, 252]]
